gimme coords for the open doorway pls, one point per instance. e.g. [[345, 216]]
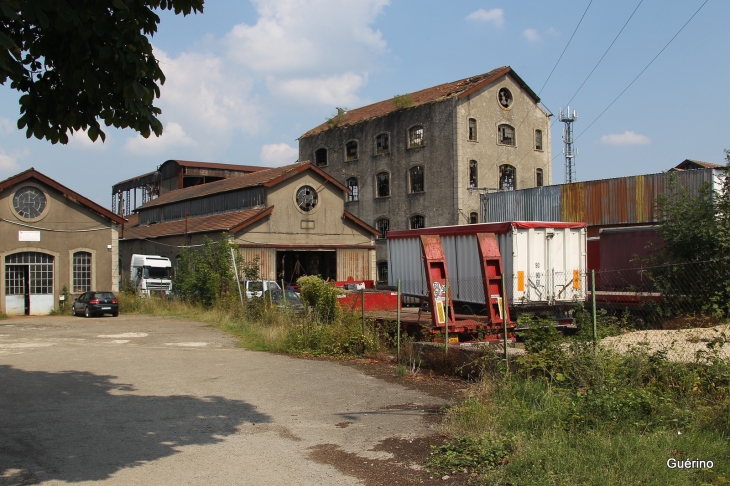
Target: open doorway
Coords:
[[292, 264]]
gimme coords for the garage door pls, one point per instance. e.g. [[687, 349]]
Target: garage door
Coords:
[[29, 283]]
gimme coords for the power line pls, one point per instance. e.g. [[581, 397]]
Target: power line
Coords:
[[642, 71]]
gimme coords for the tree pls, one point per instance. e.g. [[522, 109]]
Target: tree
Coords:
[[80, 61], [206, 275]]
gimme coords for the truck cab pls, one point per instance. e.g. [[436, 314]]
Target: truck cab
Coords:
[[151, 274], [256, 288]]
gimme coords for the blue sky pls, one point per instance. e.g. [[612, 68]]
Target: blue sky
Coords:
[[245, 79]]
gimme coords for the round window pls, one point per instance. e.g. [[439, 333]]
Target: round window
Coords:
[[505, 98], [29, 202], [306, 198]]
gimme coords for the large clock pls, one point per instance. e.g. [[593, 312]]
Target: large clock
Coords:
[[306, 198], [29, 202]]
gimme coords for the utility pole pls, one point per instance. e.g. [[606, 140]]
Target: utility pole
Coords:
[[568, 151]]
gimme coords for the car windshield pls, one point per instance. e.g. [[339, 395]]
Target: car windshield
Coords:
[[290, 295], [156, 272], [255, 286], [104, 295]]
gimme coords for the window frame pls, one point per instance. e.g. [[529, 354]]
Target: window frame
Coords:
[[378, 266], [357, 151], [412, 217], [539, 177], [536, 147], [514, 177], [475, 174], [386, 151], [378, 227], [92, 270], [411, 190], [409, 133], [377, 185], [354, 195], [472, 135], [473, 217], [326, 157], [501, 138]]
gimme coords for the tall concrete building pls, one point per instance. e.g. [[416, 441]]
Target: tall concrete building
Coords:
[[422, 159]]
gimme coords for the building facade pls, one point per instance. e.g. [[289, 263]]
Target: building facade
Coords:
[[51, 238], [292, 218], [422, 159]]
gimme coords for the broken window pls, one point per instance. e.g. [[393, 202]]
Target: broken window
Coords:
[[538, 139], [415, 136], [320, 157], [382, 144], [538, 177], [417, 222], [383, 272], [382, 225], [382, 184], [506, 135], [473, 218], [507, 176], [473, 178], [472, 129], [416, 178], [352, 186], [351, 150]]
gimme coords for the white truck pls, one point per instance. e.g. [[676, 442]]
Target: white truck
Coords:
[[151, 274], [256, 288]]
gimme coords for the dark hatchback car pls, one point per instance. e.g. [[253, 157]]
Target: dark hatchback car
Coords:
[[95, 304]]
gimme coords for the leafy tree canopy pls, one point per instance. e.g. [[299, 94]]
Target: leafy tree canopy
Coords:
[[77, 62]]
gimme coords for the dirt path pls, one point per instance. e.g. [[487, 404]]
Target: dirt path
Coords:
[[141, 400]]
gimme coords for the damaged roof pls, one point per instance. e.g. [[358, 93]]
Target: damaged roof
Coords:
[[460, 89]]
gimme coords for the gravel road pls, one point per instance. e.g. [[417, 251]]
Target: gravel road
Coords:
[[146, 400]]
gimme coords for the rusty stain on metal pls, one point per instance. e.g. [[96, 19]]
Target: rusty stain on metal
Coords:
[[353, 263]]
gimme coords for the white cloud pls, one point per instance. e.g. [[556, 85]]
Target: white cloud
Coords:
[[532, 35], [626, 138], [173, 137], [277, 154], [8, 162], [7, 127], [496, 16], [336, 90], [80, 140]]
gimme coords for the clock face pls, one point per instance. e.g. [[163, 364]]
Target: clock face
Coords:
[[29, 202], [306, 198]]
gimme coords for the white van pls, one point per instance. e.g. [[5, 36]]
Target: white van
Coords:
[[256, 288]]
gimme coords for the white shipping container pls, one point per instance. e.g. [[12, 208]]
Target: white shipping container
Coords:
[[543, 262]]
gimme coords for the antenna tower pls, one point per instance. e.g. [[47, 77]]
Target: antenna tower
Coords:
[[568, 151]]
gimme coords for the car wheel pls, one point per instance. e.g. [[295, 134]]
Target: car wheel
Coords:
[[87, 312], [73, 310], [115, 314]]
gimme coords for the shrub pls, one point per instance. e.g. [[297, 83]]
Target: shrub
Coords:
[[206, 275], [320, 297]]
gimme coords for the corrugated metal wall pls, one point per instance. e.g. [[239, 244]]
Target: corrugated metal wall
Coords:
[[217, 203], [624, 200], [267, 259], [355, 263]]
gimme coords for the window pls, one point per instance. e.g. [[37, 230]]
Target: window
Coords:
[[507, 177], [382, 271], [382, 225], [382, 144], [306, 198], [415, 174], [415, 136], [382, 184], [29, 202], [81, 272], [473, 177], [506, 135], [473, 218], [352, 185], [320, 157], [351, 150], [417, 222], [538, 139], [538, 177], [505, 97], [472, 129]]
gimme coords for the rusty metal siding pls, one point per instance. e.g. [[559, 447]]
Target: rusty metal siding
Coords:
[[353, 262], [267, 260]]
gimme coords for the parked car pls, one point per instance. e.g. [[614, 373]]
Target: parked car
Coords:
[[293, 301], [91, 304]]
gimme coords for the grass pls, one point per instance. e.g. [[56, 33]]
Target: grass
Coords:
[[568, 415]]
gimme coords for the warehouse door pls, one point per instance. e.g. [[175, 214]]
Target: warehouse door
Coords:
[[29, 283]]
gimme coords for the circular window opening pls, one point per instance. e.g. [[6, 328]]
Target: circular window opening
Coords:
[[29, 202], [306, 198], [505, 98]]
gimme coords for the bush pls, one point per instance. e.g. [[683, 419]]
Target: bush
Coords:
[[206, 276], [321, 298]]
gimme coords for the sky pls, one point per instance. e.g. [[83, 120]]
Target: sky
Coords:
[[246, 78]]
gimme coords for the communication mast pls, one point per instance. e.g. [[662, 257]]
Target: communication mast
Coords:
[[568, 119]]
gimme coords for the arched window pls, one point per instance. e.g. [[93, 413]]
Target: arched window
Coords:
[[415, 136], [351, 150], [473, 175], [472, 129], [473, 218], [81, 272], [507, 177], [415, 175], [352, 185], [506, 135], [417, 222], [538, 139], [383, 272], [382, 144], [320, 157], [538, 177], [382, 225], [382, 184]]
